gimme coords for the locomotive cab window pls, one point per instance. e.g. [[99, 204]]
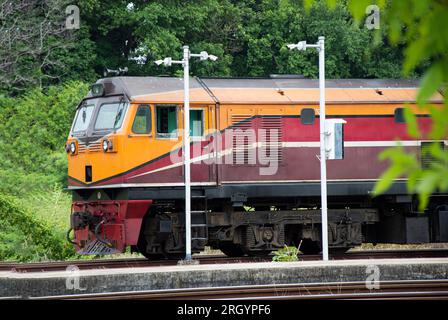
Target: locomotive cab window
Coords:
[[399, 115], [110, 116], [196, 123], [166, 121], [307, 116], [142, 120], [83, 117]]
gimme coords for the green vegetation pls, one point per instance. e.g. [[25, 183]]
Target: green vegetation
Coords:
[[25, 237], [248, 36], [286, 254], [33, 130]]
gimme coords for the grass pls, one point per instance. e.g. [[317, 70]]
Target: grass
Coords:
[[53, 206], [25, 237]]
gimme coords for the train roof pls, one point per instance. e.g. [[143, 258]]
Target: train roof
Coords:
[[274, 90]]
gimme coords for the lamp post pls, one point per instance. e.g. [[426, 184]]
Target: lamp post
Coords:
[[320, 46], [185, 62]]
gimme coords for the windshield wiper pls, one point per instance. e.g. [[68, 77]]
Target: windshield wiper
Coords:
[[119, 113]]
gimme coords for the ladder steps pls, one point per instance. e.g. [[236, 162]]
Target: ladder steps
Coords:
[[199, 229]]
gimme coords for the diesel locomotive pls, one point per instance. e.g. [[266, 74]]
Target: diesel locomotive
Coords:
[[255, 171]]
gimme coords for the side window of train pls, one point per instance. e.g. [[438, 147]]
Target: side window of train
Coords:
[[142, 120], [166, 122], [307, 116], [196, 122], [399, 115]]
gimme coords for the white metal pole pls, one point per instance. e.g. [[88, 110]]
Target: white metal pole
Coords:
[[323, 156], [186, 146]]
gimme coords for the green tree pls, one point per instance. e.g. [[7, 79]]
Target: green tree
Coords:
[[421, 27], [35, 47], [248, 37], [33, 130]]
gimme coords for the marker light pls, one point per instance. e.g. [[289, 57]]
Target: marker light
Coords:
[[105, 145], [73, 147]]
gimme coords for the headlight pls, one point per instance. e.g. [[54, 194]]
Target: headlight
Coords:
[[97, 90], [72, 148], [105, 145]]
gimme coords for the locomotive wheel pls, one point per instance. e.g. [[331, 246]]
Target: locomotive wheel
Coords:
[[309, 246], [231, 249]]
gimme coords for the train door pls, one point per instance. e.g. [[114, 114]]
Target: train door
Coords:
[[202, 125]]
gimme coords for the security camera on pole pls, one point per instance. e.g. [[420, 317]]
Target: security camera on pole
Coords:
[[330, 135], [186, 141]]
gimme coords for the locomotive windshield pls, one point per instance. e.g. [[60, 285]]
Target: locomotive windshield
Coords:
[[83, 117], [98, 117], [110, 116]]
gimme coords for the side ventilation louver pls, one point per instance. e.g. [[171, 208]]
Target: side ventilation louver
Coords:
[[272, 137], [425, 157], [241, 148]]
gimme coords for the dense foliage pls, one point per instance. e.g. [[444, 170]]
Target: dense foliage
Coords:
[[24, 237], [36, 49], [33, 130], [248, 36]]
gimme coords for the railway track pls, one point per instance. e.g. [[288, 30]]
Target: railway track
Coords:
[[388, 290], [216, 259], [118, 263]]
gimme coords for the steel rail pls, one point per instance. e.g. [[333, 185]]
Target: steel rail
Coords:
[[211, 259], [404, 289]]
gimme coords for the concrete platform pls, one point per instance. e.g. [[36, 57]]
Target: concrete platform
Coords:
[[26, 285]]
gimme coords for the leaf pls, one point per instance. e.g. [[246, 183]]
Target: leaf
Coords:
[[431, 81], [308, 4], [401, 163], [358, 8], [415, 53], [386, 180], [439, 119], [411, 121], [332, 3], [412, 180], [426, 186]]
